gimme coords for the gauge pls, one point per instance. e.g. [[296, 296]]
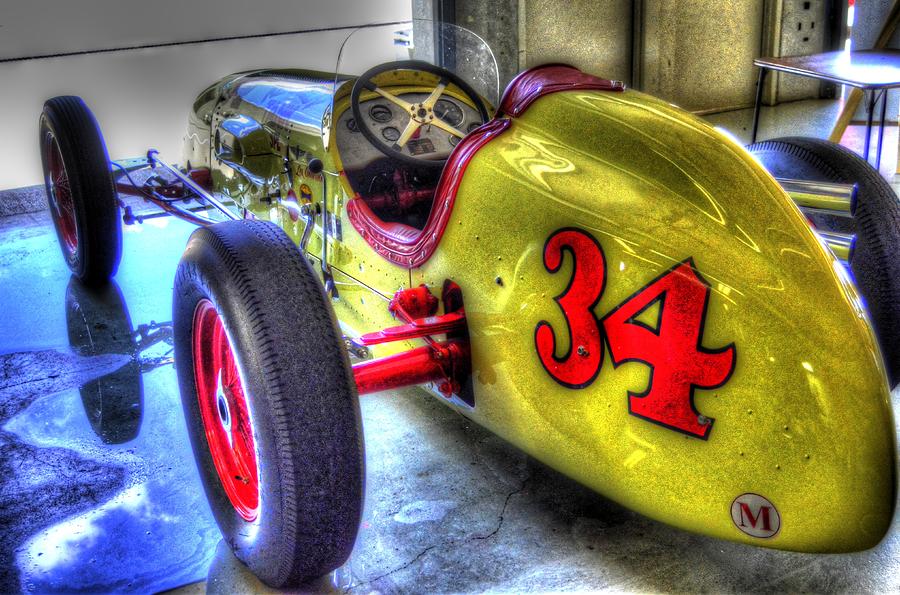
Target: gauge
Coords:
[[390, 133], [473, 126], [449, 112], [454, 140], [381, 113], [351, 125]]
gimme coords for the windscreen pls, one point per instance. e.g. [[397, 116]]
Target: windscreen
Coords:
[[449, 46]]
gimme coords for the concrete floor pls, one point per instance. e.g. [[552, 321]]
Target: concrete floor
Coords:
[[100, 492]]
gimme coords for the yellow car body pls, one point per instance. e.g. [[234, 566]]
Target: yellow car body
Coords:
[[796, 449]]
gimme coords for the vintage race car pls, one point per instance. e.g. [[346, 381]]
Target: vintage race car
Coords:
[[600, 278]]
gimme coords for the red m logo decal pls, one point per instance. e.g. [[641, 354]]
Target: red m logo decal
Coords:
[[761, 514], [755, 515]]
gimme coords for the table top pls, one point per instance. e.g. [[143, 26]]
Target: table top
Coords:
[[865, 69]]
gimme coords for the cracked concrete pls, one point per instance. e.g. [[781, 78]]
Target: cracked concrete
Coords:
[[375, 581], [41, 486]]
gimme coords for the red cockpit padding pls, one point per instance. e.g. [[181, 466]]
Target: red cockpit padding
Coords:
[[534, 83], [410, 247]]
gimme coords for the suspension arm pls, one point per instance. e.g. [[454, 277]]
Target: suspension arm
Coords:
[[444, 363]]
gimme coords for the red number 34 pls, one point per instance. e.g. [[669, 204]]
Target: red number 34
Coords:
[[672, 348]]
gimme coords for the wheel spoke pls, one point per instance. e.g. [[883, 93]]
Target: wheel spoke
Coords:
[[435, 95], [242, 438], [241, 428], [228, 427], [65, 207], [62, 182], [447, 127], [60, 198], [393, 98], [410, 130], [243, 456]]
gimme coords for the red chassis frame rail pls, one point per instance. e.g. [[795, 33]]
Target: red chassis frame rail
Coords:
[[169, 195]]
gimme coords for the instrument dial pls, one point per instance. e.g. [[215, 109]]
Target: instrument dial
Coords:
[[381, 113], [390, 134], [449, 112]]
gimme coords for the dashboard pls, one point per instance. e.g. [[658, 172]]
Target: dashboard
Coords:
[[387, 121]]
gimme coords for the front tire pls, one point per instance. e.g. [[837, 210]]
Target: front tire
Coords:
[[270, 402], [876, 259], [80, 190]]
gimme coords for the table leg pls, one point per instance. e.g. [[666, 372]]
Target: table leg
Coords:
[[870, 105], [884, 98], [756, 106]]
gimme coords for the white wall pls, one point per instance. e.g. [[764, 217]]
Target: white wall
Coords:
[[142, 97], [40, 27]]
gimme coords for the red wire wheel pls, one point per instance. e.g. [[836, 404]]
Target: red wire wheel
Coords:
[[80, 191], [225, 412], [59, 195], [270, 402]]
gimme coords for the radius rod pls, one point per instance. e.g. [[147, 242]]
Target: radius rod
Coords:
[[445, 363]]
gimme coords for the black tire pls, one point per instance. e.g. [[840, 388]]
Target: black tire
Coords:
[[875, 262], [94, 250], [98, 323], [299, 385]]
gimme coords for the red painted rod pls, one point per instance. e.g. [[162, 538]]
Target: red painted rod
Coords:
[[417, 366], [422, 327]]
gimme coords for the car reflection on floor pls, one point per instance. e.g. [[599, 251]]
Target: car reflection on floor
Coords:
[[99, 489], [98, 323]]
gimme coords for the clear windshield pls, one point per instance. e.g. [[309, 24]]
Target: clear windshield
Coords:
[[448, 46]]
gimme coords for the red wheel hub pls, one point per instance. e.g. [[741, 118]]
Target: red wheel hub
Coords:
[[224, 411], [62, 205]]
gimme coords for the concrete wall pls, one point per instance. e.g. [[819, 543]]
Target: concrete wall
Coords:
[[804, 31], [39, 27], [699, 55], [497, 21], [142, 97], [594, 36]]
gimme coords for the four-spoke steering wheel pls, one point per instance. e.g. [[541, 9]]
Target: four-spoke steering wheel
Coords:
[[418, 114]]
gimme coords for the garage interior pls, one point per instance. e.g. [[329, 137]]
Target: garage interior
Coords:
[[99, 488]]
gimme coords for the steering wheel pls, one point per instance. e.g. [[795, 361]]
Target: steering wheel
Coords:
[[418, 114]]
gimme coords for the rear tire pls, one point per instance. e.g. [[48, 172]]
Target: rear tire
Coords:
[[288, 499], [876, 259], [80, 190]]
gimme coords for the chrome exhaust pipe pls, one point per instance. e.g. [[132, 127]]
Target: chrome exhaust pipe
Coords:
[[841, 244], [821, 197]]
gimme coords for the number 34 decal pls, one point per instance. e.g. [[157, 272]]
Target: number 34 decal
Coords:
[[672, 347]]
